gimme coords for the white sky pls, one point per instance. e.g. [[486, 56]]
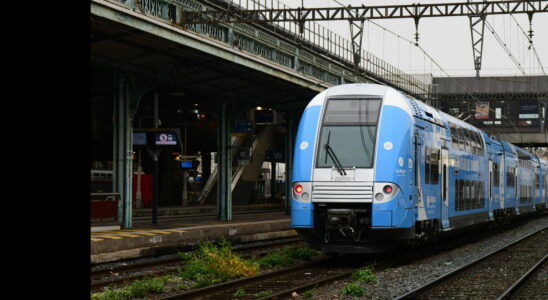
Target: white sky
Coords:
[[447, 40]]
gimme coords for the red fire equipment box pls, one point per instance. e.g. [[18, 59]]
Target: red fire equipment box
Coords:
[[146, 189]]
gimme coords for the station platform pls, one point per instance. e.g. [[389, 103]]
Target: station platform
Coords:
[[180, 228]]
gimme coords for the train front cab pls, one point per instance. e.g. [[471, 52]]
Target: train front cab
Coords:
[[353, 170]]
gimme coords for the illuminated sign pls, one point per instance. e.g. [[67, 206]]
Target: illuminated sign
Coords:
[[140, 138], [165, 139], [186, 164], [155, 138]]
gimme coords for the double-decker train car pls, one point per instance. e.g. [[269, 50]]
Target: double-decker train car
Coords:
[[374, 169]]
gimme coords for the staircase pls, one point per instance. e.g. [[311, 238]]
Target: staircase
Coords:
[[244, 177]]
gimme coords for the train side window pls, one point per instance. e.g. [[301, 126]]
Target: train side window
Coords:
[[482, 195], [461, 138], [458, 193], [426, 165], [544, 185], [481, 146], [476, 187], [495, 174], [471, 196], [478, 143], [464, 194], [474, 142], [472, 199], [454, 137], [477, 194], [467, 140], [434, 165]]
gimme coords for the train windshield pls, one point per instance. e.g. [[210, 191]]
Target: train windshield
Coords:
[[348, 133]]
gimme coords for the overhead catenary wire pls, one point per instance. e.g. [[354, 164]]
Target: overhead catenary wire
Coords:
[[444, 71], [503, 44], [531, 44]]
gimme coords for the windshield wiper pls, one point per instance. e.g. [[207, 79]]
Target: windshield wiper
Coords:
[[334, 158]]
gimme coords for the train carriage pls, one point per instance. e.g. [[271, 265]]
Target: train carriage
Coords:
[[374, 168]]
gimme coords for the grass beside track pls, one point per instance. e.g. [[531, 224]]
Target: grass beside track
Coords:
[[210, 264]]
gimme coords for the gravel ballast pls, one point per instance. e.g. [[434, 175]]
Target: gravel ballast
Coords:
[[394, 282]]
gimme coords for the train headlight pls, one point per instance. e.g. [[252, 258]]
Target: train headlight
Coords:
[[379, 196], [302, 191]]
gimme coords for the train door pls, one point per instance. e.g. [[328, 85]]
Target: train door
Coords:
[[444, 187], [418, 182], [516, 189], [490, 197], [502, 185]]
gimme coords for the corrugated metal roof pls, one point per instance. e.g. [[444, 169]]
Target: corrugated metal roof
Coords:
[[491, 85]]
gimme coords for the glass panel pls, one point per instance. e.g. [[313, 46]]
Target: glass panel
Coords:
[[426, 165], [352, 112], [461, 138], [434, 165], [349, 128], [498, 113], [467, 140], [353, 146], [454, 137]]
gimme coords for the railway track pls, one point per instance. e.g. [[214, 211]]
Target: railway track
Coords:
[[278, 283], [281, 284], [497, 275], [127, 273]]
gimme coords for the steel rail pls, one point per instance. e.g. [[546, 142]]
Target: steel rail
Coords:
[[121, 280], [511, 291], [420, 290], [210, 290], [312, 284], [95, 273], [415, 11], [402, 259]]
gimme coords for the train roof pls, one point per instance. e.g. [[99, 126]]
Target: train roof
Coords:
[[418, 109]]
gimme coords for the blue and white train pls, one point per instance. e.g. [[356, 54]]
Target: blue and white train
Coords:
[[374, 168]]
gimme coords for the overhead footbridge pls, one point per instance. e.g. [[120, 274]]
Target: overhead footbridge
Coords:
[[512, 108]]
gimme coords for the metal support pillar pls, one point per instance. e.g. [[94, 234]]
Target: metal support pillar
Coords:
[[122, 150], [477, 25], [224, 166], [155, 156], [356, 33], [289, 141]]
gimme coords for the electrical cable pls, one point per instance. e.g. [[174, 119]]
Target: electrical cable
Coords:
[[447, 74], [530, 43], [501, 42]]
